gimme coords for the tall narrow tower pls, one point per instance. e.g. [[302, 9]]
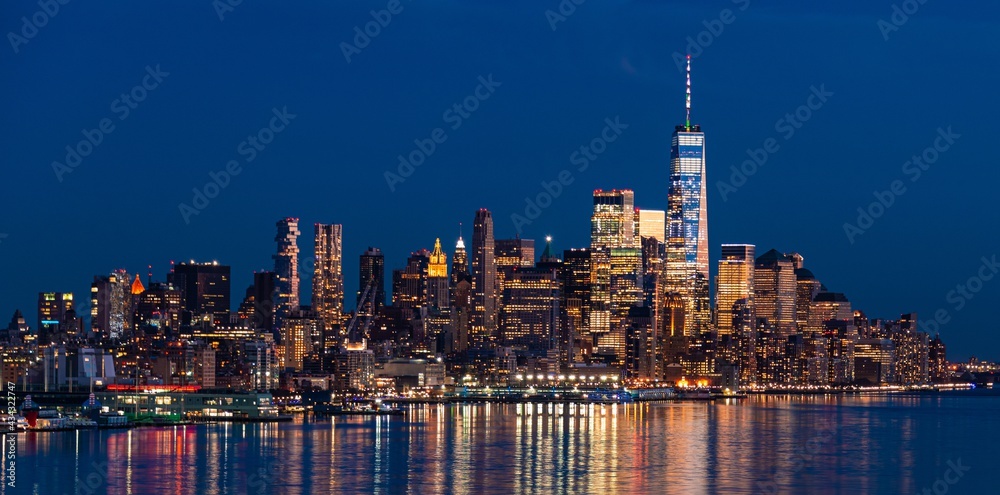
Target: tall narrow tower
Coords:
[[438, 294], [371, 273], [484, 278], [328, 274], [286, 268], [687, 222]]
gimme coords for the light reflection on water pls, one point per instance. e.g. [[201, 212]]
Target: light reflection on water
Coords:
[[820, 444]]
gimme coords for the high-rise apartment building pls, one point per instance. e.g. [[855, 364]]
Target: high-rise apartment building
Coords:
[[328, 274], [286, 268]]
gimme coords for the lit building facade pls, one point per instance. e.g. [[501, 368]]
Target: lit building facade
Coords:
[[286, 268], [774, 291], [111, 305], [438, 283], [205, 287], [484, 279], [372, 274], [734, 283], [612, 226], [328, 274]]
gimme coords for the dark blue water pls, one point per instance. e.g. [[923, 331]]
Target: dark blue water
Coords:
[[832, 444]]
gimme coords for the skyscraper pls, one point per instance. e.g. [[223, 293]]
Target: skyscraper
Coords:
[[612, 226], [687, 222], [734, 283], [409, 285], [484, 278], [576, 303], [774, 291], [514, 252], [372, 273], [264, 297], [652, 223], [205, 287], [55, 315], [438, 286], [111, 305], [286, 268], [530, 310], [328, 274], [460, 263]]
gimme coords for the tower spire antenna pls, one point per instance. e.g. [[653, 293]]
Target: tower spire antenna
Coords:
[[688, 102]]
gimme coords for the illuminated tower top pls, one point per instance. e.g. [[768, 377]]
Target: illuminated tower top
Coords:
[[438, 266], [688, 102]]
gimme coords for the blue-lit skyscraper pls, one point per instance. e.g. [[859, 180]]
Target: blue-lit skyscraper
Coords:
[[687, 223]]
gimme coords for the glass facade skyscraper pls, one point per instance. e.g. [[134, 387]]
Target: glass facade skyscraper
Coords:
[[687, 223]]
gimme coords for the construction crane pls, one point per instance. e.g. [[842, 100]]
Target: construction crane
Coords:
[[352, 325]]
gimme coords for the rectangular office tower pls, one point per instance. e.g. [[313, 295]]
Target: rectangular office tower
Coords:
[[612, 226], [687, 223], [734, 290], [328, 274]]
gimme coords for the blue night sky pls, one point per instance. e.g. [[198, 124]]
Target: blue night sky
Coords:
[[119, 207]]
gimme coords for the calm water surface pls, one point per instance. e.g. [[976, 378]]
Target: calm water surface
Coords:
[[831, 444]]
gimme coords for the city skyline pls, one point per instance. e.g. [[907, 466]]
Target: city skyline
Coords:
[[635, 79]]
